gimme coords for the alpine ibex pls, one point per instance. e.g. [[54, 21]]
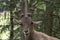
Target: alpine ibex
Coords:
[[28, 27]]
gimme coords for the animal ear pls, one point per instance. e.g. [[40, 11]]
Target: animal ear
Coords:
[[38, 22]]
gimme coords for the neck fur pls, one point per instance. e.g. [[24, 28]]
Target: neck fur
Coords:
[[31, 33]]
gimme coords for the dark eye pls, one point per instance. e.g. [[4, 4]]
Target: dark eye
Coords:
[[22, 16], [29, 15], [31, 22], [21, 24]]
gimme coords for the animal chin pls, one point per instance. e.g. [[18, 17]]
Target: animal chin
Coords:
[[26, 36]]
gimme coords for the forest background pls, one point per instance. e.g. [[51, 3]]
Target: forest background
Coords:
[[47, 11]]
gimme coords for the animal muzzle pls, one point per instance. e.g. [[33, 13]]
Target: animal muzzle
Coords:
[[26, 32]]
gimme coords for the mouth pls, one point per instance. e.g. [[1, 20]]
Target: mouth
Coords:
[[26, 34]]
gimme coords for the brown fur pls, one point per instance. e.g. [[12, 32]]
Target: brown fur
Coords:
[[42, 36], [27, 25]]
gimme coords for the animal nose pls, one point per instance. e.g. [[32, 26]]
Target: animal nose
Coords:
[[26, 31], [26, 16]]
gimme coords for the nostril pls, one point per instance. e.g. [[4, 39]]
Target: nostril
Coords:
[[26, 31]]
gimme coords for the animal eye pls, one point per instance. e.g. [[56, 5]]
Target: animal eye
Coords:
[[29, 15], [21, 24], [31, 22], [22, 16]]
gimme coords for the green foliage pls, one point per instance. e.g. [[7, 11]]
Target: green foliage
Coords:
[[3, 20], [39, 14]]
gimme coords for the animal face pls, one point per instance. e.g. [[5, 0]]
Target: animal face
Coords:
[[26, 22]]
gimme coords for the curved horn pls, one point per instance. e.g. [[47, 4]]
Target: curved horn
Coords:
[[38, 22]]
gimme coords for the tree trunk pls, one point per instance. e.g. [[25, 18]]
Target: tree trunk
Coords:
[[11, 7], [11, 23]]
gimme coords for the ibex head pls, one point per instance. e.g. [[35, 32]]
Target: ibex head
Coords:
[[27, 23], [26, 19]]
